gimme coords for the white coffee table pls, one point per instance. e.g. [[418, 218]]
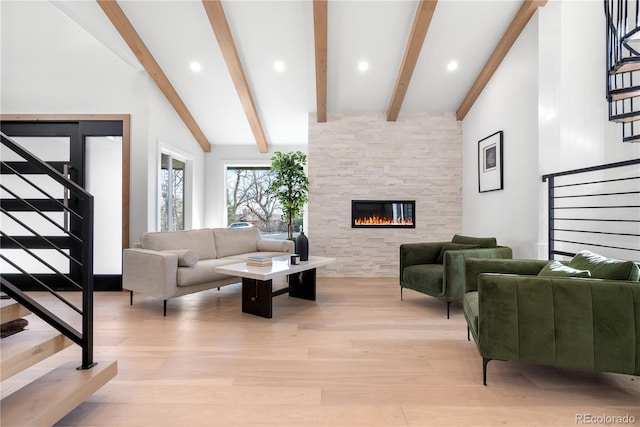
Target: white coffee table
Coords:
[[257, 282]]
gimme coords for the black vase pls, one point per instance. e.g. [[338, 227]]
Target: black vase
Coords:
[[302, 246]]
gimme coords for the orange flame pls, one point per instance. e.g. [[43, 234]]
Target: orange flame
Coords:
[[378, 220]]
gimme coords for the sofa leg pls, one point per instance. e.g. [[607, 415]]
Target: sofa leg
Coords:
[[448, 307], [130, 297], [468, 338], [484, 370], [218, 287], [165, 308]]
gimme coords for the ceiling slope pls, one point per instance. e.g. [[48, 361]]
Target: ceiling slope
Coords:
[[220, 27], [137, 46], [419, 30], [521, 19], [320, 39]]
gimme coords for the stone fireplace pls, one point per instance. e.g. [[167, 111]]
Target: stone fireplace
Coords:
[[383, 213]]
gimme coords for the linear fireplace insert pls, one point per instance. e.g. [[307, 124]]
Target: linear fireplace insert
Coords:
[[383, 213]]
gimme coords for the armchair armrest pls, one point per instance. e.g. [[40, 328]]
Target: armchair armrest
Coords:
[[475, 266], [150, 272], [576, 323], [454, 265], [274, 245], [419, 253]]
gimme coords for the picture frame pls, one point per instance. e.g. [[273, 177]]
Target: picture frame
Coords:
[[490, 163]]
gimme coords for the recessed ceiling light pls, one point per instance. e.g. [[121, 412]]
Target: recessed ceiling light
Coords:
[[363, 65], [278, 66], [452, 65], [195, 67]]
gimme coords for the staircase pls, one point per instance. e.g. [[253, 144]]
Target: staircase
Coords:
[[50, 396], [623, 65]]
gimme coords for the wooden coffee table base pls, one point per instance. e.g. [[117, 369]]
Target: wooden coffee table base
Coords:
[[257, 295]]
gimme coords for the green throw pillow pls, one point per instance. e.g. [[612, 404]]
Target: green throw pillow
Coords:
[[557, 269], [452, 246], [481, 242], [605, 268]]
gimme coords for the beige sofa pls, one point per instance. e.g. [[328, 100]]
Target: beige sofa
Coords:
[[175, 263]]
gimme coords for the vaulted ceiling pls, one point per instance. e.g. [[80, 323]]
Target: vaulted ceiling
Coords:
[[238, 97]]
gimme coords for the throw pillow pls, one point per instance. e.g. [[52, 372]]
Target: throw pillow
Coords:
[[186, 257], [452, 246], [605, 268], [481, 242], [557, 269]]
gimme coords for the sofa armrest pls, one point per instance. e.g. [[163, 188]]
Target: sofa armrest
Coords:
[[150, 272], [454, 266], [578, 323], [475, 266], [274, 245]]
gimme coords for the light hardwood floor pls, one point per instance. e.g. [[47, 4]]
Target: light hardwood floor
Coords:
[[358, 356]]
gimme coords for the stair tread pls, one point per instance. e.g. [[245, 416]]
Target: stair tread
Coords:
[[627, 65], [26, 348], [11, 310], [52, 396], [626, 117], [626, 93]]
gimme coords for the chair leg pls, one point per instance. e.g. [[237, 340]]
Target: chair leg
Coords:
[[448, 307], [484, 370], [130, 297], [165, 308]]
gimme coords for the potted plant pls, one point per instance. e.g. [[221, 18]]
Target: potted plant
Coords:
[[290, 184]]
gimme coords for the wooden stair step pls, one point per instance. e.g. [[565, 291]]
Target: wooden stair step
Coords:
[[11, 310], [27, 348], [626, 93], [626, 117], [628, 65], [52, 396]]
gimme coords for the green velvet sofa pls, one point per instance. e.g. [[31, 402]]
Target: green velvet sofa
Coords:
[[538, 312], [437, 268]]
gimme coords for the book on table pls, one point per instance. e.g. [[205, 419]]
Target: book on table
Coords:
[[259, 261]]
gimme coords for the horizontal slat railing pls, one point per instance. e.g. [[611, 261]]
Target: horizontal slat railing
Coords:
[[84, 238], [595, 208]]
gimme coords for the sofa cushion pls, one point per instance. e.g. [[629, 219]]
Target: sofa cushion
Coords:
[[557, 269], [203, 272], [200, 241], [449, 246], [605, 268], [234, 241], [425, 276], [482, 242], [186, 257]]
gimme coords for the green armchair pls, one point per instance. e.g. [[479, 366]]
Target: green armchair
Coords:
[[578, 314], [437, 268]]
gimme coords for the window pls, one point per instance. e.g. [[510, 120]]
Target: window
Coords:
[[172, 186], [249, 202]]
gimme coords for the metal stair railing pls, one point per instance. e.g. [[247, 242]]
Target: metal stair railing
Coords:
[[623, 65], [84, 216], [597, 207]]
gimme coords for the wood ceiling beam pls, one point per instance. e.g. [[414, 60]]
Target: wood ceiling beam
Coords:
[[419, 29], [220, 26], [320, 37], [139, 49], [518, 23]]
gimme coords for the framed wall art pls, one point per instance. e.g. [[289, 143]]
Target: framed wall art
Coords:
[[490, 162]]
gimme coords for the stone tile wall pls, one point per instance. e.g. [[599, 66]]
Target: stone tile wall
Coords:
[[363, 156]]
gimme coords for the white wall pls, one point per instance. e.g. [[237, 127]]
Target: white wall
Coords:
[[49, 65], [549, 97], [509, 103]]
